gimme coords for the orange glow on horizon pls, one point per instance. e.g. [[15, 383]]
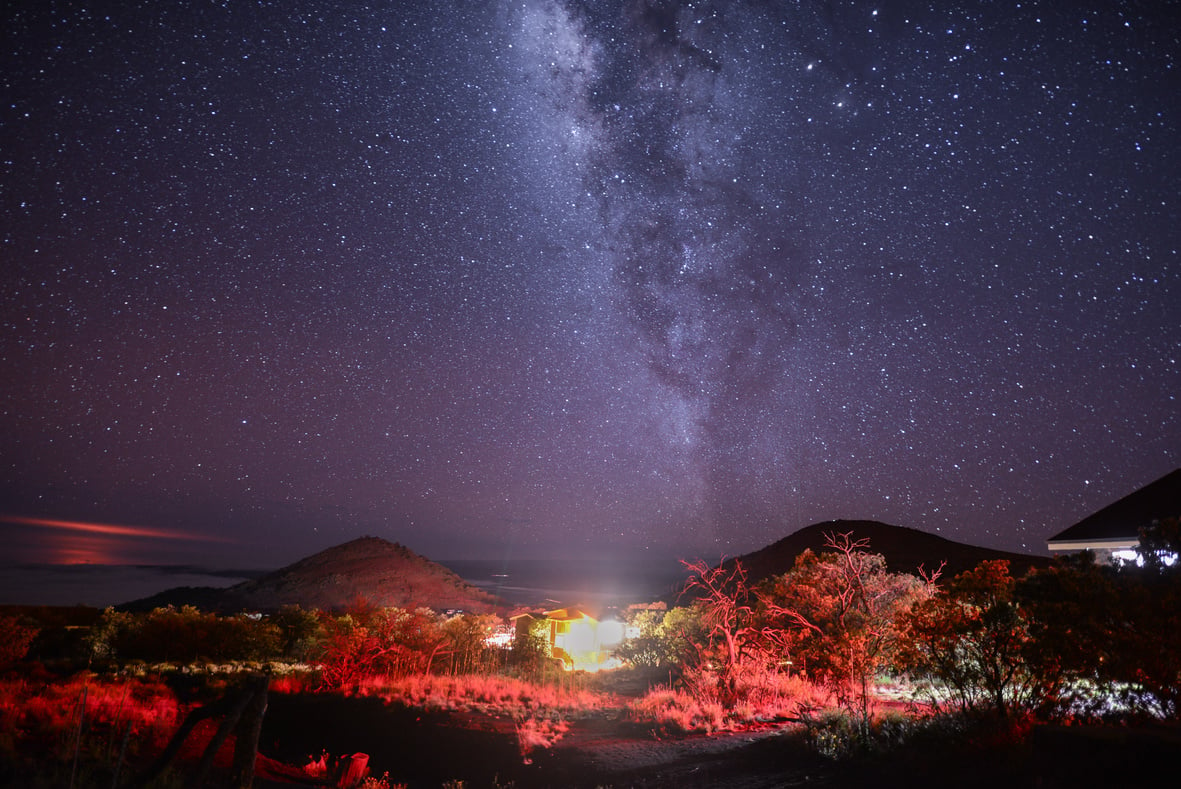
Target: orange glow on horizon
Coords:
[[84, 549], [111, 529]]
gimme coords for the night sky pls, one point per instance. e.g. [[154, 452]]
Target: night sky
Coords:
[[536, 278]]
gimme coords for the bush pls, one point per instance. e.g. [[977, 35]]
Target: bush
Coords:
[[837, 734], [655, 645], [467, 643], [371, 642], [15, 639], [838, 612], [674, 712], [300, 632], [184, 635], [1110, 636], [538, 731], [530, 655], [103, 723], [974, 637]]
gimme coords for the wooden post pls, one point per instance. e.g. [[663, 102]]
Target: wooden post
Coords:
[[250, 703], [228, 724], [354, 771], [248, 732]]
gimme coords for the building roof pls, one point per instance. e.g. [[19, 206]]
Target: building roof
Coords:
[[1120, 523], [571, 614]]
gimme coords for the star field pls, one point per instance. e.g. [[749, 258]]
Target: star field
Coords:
[[517, 278]]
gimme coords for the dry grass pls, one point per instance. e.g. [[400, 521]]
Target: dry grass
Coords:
[[675, 712], [148, 709], [539, 732], [775, 697], [83, 730], [772, 697], [494, 695]]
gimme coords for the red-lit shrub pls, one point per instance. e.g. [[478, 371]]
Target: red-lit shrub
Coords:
[[974, 638], [538, 732], [674, 712], [467, 650], [721, 637], [838, 613], [44, 726], [378, 642]]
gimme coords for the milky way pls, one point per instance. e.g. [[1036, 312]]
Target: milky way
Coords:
[[511, 279]]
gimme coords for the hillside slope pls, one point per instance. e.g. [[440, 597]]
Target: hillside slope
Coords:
[[369, 568], [905, 549]]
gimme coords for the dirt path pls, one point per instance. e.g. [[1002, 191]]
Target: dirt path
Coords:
[[610, 753], [425, 750]]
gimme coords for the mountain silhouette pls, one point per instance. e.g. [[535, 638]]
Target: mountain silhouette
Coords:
[[369, 569], [906, 550]]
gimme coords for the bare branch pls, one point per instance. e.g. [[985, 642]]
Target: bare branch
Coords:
[[930, 578]]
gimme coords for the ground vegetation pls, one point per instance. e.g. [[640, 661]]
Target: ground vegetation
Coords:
[[861, 661]]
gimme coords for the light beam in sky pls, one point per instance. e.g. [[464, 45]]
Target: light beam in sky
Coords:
[[112, 529]]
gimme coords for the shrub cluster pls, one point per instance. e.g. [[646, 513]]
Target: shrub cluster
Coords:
[[1076, 639]]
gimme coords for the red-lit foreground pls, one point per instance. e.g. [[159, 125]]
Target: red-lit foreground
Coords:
[[92, 731], [836, 673]]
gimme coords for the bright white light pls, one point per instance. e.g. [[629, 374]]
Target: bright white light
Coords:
[[610, 633], [1132, 555], [500, 638], [581, 637]]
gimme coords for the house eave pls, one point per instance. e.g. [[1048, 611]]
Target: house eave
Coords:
[[1108, 544]]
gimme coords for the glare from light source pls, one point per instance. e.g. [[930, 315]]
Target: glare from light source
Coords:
[[610, 633]]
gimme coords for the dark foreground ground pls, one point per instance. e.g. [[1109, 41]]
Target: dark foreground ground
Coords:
[[422, 749]]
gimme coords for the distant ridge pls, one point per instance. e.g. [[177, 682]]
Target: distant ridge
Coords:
[[905, 549], [377, 571]]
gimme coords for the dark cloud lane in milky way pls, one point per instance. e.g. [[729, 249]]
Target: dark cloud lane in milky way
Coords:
[[494, 278]]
